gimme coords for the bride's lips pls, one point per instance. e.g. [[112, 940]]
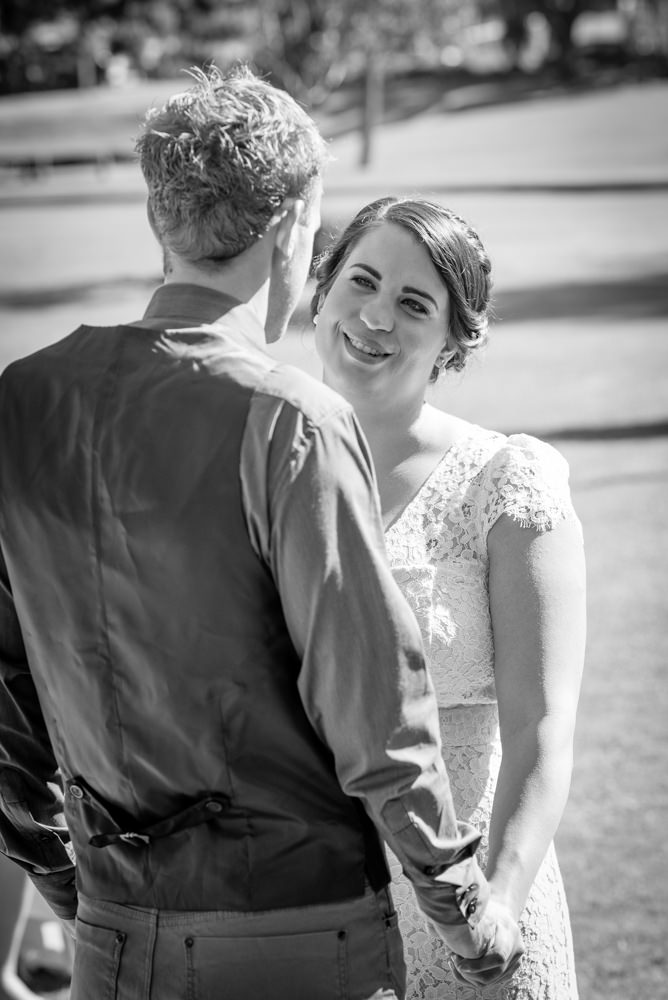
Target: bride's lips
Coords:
[[364, 350]]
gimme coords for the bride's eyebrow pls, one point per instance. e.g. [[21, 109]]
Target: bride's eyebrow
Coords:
[[406, 288], [365, 267]]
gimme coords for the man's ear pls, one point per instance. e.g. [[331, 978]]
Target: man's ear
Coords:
[[290, 216]]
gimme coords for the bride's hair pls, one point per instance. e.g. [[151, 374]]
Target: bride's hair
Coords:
[[455, 250]]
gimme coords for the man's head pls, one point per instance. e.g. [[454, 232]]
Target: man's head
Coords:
[[221, 160]]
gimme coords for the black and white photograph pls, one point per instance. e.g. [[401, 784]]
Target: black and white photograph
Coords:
[[333, 532]]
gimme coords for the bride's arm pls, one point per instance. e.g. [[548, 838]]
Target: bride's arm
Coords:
[[537, 603]]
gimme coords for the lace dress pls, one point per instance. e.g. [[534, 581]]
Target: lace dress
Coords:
[[438, 552]]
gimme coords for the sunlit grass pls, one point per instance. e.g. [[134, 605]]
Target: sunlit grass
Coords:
[[611, 843]]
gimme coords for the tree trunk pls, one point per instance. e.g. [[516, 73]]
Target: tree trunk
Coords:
[[373, 104]]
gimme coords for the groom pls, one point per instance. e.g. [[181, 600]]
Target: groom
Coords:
[[212, 695]]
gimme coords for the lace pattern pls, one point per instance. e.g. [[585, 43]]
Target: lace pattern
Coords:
[[438, 553], [438, 548]]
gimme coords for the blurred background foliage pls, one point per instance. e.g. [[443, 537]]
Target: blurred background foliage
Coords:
[[313, 47]]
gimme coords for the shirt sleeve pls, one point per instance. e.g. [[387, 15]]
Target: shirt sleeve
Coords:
[[32, 827], [314, 518]]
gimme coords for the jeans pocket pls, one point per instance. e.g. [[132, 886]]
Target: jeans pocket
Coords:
[[300, 966], [97, 960]]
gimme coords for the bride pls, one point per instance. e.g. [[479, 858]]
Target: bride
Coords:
[[483, 539]]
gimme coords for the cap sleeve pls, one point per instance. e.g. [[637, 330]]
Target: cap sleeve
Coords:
[[526, 479]]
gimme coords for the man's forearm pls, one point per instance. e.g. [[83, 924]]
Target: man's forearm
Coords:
[[450, 888]]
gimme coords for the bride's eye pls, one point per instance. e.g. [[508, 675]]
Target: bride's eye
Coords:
[[416, 306], [361, 280]]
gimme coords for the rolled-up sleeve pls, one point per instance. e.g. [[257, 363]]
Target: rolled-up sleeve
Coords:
[[32, 828], [313, 514]]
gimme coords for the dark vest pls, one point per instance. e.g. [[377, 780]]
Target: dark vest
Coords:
[[155, 634]]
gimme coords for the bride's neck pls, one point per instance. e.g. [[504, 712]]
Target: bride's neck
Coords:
[[391, 427], [380, 414]]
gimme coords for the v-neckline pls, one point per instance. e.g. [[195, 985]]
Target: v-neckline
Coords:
[[442, 461]]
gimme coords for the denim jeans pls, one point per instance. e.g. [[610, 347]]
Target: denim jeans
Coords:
[[337, 951]]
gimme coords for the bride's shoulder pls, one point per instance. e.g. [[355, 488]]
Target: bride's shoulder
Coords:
[[527, 479], [444, 430], [526, 454], [472, 444]]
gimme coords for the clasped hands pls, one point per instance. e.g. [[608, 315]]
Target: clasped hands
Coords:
[[491, 951]]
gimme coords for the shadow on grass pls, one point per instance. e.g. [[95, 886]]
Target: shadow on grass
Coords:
[[604, 434], [57, 295], [616, 432], [62, 199], [638, 297], [98, 196]]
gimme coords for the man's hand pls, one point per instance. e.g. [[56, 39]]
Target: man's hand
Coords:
[[503, 949]]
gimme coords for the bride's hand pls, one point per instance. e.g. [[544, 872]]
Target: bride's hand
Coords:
[[501, 956]]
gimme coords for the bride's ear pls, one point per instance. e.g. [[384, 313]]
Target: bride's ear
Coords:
[[444, 355]]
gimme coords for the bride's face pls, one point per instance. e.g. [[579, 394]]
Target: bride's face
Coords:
[[385, 319]]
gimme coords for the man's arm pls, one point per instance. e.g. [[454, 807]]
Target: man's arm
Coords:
[[32, 828], [363, 679]]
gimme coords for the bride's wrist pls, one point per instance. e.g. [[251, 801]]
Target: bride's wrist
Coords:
[[504, 895]]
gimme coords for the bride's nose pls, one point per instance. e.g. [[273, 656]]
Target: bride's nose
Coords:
[[377, 313]]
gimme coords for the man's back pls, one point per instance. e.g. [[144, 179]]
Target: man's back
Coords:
[[167, 675]]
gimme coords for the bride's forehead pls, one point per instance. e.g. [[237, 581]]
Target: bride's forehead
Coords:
[[390, 242], [394, 251]]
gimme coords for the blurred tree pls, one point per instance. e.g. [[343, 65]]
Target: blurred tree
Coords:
[[311, 46], [515, 14], [24, 24], [308, 46], [300, 44], [90, 32], [560, 16], [18, 16]]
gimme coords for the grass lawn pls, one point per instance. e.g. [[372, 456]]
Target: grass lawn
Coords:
[[611, 845]]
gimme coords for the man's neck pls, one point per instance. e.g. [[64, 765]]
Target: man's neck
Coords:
[[245, 278]]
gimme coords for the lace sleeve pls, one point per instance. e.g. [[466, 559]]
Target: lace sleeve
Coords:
[[526, 479]]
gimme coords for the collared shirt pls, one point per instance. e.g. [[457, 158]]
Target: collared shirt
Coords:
[[313, 517]]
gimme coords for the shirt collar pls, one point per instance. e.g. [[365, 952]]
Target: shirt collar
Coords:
[[177, 304]]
